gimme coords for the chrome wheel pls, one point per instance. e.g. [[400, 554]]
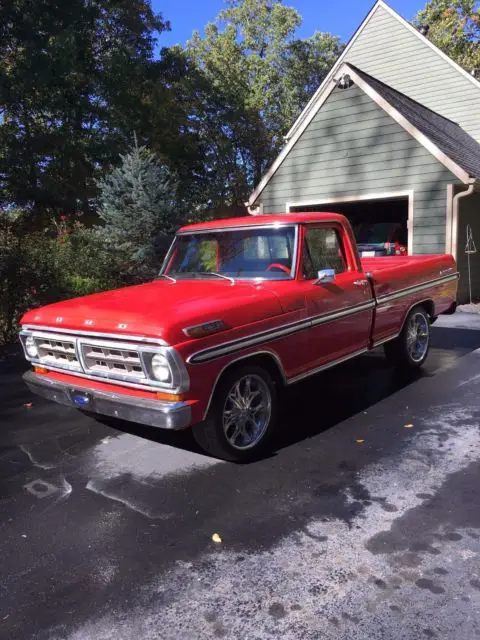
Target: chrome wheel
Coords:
[[247, 412], [418, 335]]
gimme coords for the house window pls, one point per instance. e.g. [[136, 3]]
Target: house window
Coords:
[[322, 249]]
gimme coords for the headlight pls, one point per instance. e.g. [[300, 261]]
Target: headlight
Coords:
[[160, 368], [31, 347], [166, 367]]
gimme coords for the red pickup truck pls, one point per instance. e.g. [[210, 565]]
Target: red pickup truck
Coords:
[[241, 308]]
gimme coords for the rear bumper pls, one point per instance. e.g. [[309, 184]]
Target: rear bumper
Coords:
[[155, 413]]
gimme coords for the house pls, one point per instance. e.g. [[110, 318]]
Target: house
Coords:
[[392, 135]]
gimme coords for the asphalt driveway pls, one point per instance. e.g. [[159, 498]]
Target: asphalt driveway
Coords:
[[364, 523]]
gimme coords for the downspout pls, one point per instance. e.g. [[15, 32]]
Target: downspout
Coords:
[[456, 209]]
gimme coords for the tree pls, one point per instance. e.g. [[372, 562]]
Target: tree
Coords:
[[261, 77], [454, 27], [138, 206], [73, 77], [184, 117]]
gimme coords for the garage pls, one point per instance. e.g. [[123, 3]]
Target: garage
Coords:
[[380, 224], [381, 142]]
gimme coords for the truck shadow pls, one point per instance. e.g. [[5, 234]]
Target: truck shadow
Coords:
[[326, 399]]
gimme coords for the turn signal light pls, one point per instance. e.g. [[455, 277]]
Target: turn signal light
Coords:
[[40, 370], [169, 397]]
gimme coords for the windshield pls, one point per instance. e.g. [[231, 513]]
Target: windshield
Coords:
[[245, 253]]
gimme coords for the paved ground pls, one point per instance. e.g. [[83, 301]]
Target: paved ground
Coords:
[[359, 526]]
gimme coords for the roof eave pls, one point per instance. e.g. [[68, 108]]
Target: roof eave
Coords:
[[450, 164], [380, 3]]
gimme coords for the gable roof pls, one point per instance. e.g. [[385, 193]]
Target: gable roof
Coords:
[[459, 91], [448, 136], [379, 4], [444, 139]]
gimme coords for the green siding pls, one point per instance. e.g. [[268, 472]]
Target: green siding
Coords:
[[389, 51], [353, 148]]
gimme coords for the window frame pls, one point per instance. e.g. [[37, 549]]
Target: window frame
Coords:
[[171, 253], [340, 233]]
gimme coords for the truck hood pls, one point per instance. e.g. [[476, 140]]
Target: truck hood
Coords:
[[160, 309]]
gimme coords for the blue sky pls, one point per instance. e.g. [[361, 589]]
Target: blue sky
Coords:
[[340, 18]]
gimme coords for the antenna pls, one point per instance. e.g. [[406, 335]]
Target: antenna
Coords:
[[469, 249]]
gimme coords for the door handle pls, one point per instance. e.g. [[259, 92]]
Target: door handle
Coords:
[[360, 283]]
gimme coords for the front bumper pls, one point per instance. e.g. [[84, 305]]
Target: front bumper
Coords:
[[155, 413]]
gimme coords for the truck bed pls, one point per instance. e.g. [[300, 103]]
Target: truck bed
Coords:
[[391, 274], [399, 283], [401, 262]]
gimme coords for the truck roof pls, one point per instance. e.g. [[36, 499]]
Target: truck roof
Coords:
[[249, 221]]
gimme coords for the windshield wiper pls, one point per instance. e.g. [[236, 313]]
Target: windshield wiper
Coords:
[[162, 275], [219, 275]]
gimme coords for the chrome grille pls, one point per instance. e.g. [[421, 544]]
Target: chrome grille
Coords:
[[57, 352], [112, 360]]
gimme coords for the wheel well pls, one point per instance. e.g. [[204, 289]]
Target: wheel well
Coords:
[[429, 307], [264, 360]]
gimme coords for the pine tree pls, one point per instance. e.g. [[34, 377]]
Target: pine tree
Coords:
[[138, 206]]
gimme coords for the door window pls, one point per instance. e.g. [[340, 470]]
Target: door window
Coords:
[[322, 249]]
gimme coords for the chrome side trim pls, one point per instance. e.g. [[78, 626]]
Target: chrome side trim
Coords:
[[415, 288], [272, 334], [384, 340], [272, 354], [74, 332], [326, 366], [364, 306], [250, 341]]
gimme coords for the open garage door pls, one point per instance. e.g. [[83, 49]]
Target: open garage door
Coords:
[[380, 224]]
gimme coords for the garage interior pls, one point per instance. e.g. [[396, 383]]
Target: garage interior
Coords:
[[360, 212]]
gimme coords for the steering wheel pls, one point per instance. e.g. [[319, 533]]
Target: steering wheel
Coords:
[[276, 265]]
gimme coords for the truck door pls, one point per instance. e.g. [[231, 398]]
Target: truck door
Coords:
[[342, 309]]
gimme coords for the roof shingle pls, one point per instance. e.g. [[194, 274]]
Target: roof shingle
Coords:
[[448, 136]]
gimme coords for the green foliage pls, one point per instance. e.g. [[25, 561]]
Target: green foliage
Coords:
[[139, 210], [73, 79], [64, 260], [454, 27], [77, 78], [261, 77]]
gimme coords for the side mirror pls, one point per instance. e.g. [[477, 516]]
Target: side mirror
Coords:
[[325, 276]]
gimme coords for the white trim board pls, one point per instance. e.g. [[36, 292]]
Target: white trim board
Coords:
[[327, 86], [365, 197], [345, 68]]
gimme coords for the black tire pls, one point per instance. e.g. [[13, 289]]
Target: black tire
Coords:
[[211, 436], [399, 353]]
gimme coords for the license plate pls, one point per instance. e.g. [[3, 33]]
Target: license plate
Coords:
[[368, 254], [81, 399]]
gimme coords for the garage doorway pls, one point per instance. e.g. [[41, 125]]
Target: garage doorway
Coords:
[[375, 220]]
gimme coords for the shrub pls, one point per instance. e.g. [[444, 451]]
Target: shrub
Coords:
[[66, 260]]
